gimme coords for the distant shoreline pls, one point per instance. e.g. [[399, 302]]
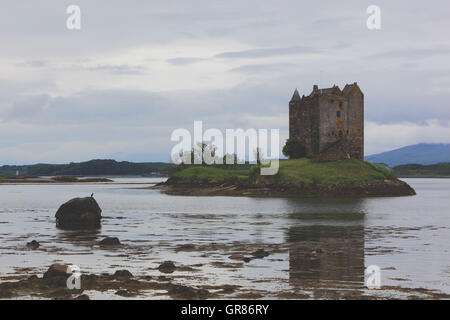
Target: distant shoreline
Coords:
[[58, 180], [425, 177]]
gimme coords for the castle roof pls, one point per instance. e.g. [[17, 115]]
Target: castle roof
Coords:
[[332, 91], [348, 88], [295, 96]]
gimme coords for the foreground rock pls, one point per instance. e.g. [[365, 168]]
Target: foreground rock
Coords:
[[56, 270], [33, 245], [260, 253], [123, 274], [167, 267], [110, 241], [79, 213], [56, 275]]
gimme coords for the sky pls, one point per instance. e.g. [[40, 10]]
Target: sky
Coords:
[[137, 70]]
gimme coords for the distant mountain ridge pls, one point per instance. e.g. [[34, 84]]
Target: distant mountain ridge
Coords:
[[92, 167], [422, 153]]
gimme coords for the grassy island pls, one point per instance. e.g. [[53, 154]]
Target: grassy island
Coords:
[[297, 171], [296, 177]]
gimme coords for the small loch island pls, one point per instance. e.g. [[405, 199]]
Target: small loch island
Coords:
[[296, 178]]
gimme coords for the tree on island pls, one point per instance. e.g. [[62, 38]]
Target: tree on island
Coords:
[[201, 154], [259, 155], [294, 149]]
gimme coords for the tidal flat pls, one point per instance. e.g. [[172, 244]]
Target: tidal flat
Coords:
[[187, 247]]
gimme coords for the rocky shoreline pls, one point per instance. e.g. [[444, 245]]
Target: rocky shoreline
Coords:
[[169, 280], [52, 285], [269, 187]]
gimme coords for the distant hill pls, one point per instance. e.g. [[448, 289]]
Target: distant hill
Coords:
[[422, 153], [92, 167]]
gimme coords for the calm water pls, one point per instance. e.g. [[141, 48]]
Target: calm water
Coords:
[[407, 237]]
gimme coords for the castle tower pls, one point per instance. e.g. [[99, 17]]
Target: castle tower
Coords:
[[294, 105], [329, 122]]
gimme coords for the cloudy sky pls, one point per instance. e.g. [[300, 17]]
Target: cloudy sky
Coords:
[[137, 70]]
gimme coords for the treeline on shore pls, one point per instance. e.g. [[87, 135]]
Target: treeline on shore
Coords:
[[92, 167], [418, 170], [111, 167]]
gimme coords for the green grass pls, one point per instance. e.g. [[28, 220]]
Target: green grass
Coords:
[[300, 171], [331, 173], [214, 173], [2, 177]]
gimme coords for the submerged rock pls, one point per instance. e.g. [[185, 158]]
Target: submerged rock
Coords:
[[184, 292], [33, 245], [260, 253], [126, 293], [167, 267], [123, 274], [79, 213], [56, 270], [110, 241], [237, 256], [185, 247]]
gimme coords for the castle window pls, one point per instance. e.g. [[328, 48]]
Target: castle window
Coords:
[[340, 133], [338, 113], [340, 104]]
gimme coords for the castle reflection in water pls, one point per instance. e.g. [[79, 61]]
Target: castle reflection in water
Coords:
[[327, 248]]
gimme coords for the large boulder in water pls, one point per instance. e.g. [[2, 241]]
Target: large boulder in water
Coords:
[[79, 213]]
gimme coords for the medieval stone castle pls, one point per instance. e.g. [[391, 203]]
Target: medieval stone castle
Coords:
[[329, 122]]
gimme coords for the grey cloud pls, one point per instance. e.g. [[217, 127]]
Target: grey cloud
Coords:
[[119, 69], [184, 60], [128, 107], [33, 63], [334, 21], [264, 68], [410, 53], [109, 118], [28, 107], [267, 52], [250, 54]]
